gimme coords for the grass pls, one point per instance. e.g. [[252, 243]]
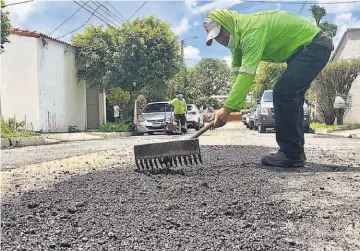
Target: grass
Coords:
[[334, 127], [12, 129]]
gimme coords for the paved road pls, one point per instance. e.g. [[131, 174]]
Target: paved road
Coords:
[[86, 196]]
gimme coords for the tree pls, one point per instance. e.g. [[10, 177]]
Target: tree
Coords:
[[335, 79], [5, 25], [318, 13], [97, 51], [211, 77], [266, 77], [119, 97], [149, 54], [208, 77], [145, 52]]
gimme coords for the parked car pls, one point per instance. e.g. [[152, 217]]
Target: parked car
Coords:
[[194, 117], [252, 117], [248, 119], [243, 118], [265, 115], [153, 118]]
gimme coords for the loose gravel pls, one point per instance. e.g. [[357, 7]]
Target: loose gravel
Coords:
[[229, 203]]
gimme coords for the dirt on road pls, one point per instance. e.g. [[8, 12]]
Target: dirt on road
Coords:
[[229, 203]]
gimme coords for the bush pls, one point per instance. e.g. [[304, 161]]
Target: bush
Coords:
[[117, 127], [11, 128]]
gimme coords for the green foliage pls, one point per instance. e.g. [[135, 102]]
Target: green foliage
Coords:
[[266, 77], [323, 126], [318, 13], [336, 79], [72, 128], [144, 51], [12, 128], [5, 25], [119, 97], [209, 77], [117, 127]]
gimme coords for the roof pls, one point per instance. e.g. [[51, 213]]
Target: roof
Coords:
[[342, 40], [35, 34]]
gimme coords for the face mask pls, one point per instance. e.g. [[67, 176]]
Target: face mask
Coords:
[[231, 43]]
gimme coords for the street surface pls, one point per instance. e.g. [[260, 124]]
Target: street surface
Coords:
[[85, 195]]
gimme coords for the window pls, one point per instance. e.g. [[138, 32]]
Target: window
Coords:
[[158, 107], [268, 97]]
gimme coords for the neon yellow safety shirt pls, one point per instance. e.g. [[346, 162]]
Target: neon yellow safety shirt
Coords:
[[272, 36], [179, 106]]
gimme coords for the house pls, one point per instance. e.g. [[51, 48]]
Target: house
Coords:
[[349, 47], [39, 84]]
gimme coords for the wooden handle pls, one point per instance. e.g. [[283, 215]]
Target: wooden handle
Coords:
[[202, 130]]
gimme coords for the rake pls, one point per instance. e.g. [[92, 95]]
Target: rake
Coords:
[[168, 154]]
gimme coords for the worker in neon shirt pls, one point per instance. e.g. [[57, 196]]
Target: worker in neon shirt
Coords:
[[274, 36], [180, 109]]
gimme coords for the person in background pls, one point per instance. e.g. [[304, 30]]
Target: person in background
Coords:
[[180, 110], [209, 111]]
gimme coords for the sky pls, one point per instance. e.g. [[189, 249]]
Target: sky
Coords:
[[186, 18]]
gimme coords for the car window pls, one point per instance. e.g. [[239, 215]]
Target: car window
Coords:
[[157, 107], [268, 97], [190, 107]]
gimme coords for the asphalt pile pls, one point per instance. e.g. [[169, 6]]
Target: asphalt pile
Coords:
[[225, 204]]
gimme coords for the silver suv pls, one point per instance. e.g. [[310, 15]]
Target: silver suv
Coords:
[[265, 114]]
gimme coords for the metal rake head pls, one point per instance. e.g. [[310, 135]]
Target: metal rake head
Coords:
[[168, 154], [168, 162]]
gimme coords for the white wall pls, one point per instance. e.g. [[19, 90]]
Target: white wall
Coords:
[[19, 85], [350, 48], [62, 98]]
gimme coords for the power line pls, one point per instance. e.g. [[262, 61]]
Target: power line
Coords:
[[302, 7], [115, 10], [80, 26], [94, 14], [105, 17], [136, 11], [98, 14], [108, 12], [6, 5], [68, 18]]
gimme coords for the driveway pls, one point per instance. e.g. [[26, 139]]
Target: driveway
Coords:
[[86, 196]]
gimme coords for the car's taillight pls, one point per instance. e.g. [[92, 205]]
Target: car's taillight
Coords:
[[192, 113]]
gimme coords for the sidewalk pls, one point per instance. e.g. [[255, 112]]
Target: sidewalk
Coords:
[[355, 133], [53, 138]]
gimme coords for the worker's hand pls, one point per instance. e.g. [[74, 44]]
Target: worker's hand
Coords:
[[221, 117]]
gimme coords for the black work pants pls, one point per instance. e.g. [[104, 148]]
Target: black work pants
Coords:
[[289, 95], [182, 118]]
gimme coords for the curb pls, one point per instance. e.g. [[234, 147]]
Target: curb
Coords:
[[22, 141]]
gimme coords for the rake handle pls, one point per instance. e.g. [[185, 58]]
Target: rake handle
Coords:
[[202, 130]]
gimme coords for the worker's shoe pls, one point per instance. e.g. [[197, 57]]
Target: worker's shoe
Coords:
[[281, 160], [303, 155]]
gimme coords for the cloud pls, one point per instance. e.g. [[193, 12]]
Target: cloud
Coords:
[[338, 8], [190, 3], [214, 5], [344, 21], [228, 60], [20, 13], [196, 23], [182, 27], [191, 53]]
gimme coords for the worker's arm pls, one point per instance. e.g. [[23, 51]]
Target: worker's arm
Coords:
[[185, 106], [236, 59], [173, 101], [253, 44]]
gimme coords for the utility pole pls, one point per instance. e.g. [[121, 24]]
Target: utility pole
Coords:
[[182, 42]]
